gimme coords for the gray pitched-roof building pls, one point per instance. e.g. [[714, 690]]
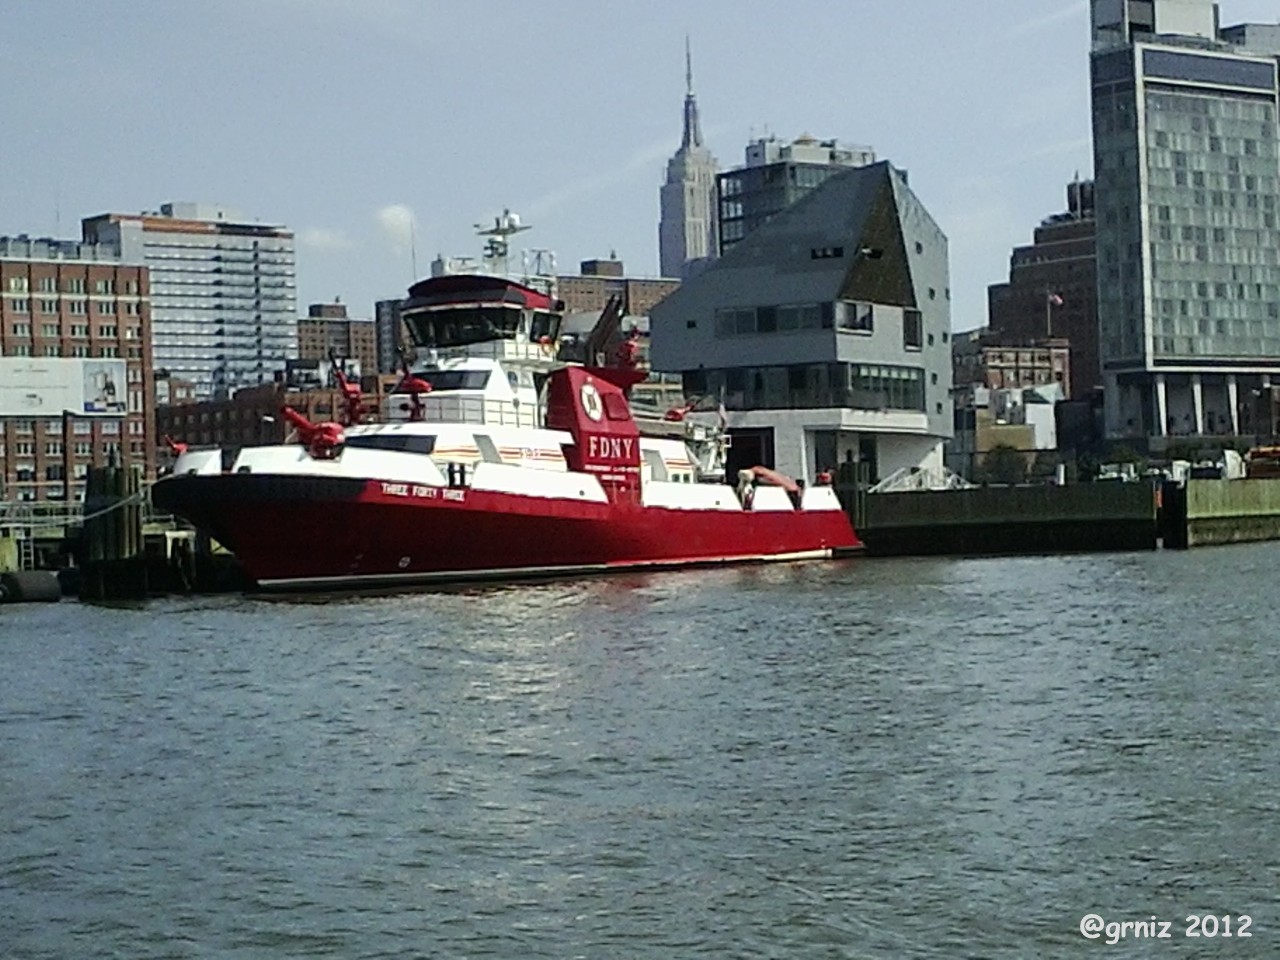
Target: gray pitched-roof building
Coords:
[[824, 332]]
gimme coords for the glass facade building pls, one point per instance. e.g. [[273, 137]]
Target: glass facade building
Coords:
[[223, 292], [775, 176], [1188, 255]]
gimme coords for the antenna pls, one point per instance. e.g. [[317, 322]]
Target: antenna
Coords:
[[688, 67], [498, 247], [413, 248]]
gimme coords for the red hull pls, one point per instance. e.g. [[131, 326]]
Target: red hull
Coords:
[[301, 533]]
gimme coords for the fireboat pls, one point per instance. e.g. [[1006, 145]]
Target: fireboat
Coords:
[[495, 460]]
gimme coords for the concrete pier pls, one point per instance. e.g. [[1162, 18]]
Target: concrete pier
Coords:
[[1029, 519], [1207, 512]]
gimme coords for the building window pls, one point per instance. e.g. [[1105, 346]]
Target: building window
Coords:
[[21, 305], [52, 350], [76, 306], [104, 286], [858, 316], [22, 329], [107, 306], [75, 285], [47, 285], [80, 330], [53, 448], [912, 329], [48, 330], [107, 330], [18, 285], [812, 386], [81, 428]]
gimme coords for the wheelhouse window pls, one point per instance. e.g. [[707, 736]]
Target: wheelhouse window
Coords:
[[457, 379], [442, 329], [406, 443], [544, 326]]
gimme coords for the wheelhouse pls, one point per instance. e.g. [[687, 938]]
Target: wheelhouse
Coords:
[[449, 312]]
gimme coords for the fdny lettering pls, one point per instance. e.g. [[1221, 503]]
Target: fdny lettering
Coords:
[[611, 448]]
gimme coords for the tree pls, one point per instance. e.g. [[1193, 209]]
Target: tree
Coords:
[[1003, 464], [1045, 465]]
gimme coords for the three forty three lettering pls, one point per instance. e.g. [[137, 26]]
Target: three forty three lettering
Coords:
[[407, 490]]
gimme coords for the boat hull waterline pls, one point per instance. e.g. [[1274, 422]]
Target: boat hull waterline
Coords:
[[306, 532]]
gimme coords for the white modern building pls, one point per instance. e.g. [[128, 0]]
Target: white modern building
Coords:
[[223, 291], [1187, 181], [824, 332]]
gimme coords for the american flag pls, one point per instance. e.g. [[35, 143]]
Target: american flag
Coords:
[[1055, 299]]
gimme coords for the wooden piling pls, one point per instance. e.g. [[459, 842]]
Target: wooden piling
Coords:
[[114, 565]]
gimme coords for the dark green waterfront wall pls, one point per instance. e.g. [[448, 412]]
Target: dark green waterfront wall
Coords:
[[1030, 519], [1232, 511]]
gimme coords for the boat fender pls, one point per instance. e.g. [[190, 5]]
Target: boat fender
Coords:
[[31, 586]]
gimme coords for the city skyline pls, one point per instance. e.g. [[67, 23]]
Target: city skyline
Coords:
[[347, 122]]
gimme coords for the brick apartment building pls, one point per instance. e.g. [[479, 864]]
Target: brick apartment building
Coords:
[[62, 301], [326, 328], [602, 279], [981, 358], [252, 416]]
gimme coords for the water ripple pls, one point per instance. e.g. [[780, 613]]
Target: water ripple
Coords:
[[918, 758]]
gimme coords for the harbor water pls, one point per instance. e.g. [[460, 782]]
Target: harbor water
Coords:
[[869, 758]]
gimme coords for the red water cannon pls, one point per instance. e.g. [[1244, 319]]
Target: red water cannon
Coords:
[[323, 441]]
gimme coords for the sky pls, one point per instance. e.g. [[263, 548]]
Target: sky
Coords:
[[378, 130]]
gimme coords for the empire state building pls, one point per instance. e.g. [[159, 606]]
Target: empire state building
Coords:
[[687, 224]]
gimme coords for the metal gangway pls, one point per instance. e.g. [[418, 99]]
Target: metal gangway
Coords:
[[23, 521]]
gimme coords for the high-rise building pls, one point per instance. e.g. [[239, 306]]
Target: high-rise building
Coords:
[[389, 335], [774, 176], [327, 331], [1052, 291], [76, 387], [1187, 182], [223, 291], [687, 228]]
